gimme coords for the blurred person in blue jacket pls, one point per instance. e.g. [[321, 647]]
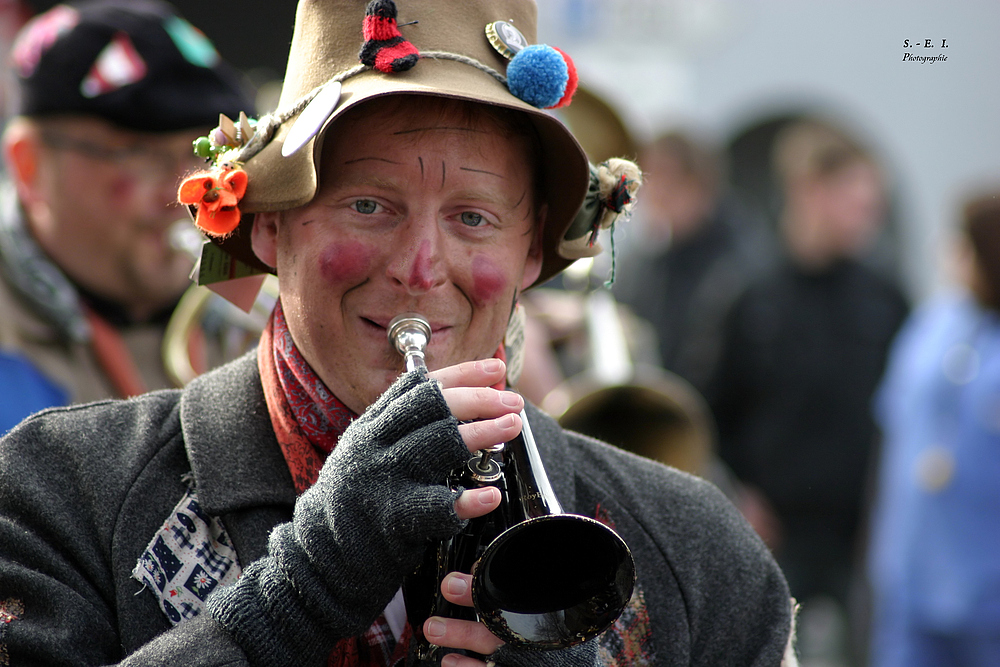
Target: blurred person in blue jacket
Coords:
[[934, 560]]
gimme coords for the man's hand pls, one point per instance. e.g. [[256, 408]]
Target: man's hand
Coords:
[[455, 633], [492, 418], [364, 525], [469, 635], [489, 417]]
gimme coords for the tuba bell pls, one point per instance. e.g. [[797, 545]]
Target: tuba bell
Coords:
[[541, 578], [205, 329], [639, 407]]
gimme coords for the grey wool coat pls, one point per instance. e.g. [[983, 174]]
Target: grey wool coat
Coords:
[[83, 490]]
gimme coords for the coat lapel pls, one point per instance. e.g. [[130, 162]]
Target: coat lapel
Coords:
[[239, 471]]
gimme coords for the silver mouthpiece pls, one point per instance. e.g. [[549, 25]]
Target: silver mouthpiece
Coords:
[[410, 333]]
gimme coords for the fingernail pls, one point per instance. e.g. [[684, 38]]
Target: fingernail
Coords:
[[487, 496], [434, 628], [510, 399], [491, 365], [507, 421], [457, 585]]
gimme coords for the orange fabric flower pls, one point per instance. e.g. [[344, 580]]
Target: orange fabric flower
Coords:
[[216, 194]]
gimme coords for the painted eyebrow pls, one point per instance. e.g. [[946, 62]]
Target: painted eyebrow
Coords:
[[365, 159], [481, 171]]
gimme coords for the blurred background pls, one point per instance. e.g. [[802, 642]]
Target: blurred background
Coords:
[[739, 69]]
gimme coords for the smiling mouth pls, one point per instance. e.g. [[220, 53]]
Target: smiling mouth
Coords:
[[383, 325], [372, 324]]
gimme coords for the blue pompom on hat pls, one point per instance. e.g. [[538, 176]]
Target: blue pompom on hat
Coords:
[[538, 74]]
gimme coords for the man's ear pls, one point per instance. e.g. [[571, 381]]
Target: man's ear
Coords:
[[533, 264], [264, 237], [21, 154]]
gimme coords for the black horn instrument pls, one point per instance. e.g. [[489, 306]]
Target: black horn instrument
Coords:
[[542, 578]]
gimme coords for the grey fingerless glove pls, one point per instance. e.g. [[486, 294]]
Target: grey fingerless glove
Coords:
[[581, 655], [363, 526]]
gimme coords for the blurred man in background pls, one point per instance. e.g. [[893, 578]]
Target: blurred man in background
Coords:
[[690, 257], [110, 95], [805, 346]]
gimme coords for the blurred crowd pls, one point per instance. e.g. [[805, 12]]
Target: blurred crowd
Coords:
[[775, 355], [856, 436]]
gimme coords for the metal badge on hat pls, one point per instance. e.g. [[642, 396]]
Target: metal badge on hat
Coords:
[[505, 38]]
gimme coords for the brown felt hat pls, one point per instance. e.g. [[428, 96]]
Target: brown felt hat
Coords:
[[457, 61]]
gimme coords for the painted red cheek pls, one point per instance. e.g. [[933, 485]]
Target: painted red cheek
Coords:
[[345, 262], [488, 280]]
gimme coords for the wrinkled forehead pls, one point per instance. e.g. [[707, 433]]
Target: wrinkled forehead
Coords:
[[408, 118]]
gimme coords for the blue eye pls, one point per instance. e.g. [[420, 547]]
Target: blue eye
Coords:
[[366, 206], [472, 219]]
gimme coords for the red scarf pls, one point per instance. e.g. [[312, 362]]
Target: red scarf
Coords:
[[308, 420]]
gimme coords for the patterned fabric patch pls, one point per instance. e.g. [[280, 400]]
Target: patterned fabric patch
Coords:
[[377, 647], [191, 42], [186, 560], [630, 640], [117, 65], [11, 609]]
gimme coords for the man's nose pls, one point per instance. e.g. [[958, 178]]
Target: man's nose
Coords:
[[418, 262]]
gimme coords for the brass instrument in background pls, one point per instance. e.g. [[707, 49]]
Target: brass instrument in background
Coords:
[[542, 578], [233, 332], [205, 330], [638, 407]]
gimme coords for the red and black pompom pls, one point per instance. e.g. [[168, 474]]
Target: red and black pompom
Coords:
[[384, 47]]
